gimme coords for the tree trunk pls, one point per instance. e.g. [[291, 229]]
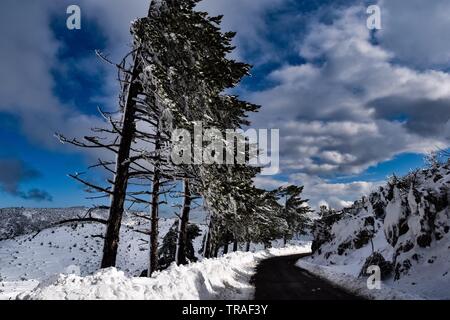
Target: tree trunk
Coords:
[[225, 248], [119, 188], [235, 246], [182, 239], [247, 246], [216, 251], [207, 249], [154, 232]]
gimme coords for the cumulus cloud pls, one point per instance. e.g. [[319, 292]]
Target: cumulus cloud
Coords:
[[332, 110], [13, 172], [29, 56]]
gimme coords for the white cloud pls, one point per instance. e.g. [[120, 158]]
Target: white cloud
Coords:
[[30, 54], [324, 108]]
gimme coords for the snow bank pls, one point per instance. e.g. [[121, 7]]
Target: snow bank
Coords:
[[358, 286], [9, 290], [227, 277]]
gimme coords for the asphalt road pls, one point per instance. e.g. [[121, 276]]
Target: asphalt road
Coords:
[[279, 279]]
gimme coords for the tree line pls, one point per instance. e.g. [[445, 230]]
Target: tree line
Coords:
[[179, 73]]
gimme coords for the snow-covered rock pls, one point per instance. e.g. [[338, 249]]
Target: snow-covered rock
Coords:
[[407, 222]]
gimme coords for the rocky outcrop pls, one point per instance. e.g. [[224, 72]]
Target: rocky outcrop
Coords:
[[399, 226]]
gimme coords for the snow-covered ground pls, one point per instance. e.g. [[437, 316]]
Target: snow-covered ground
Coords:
[[227, 278], [27, 260], [342, 276], [19, 221], [62, 252]]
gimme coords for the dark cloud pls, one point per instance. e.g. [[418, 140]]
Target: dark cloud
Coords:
[[36, 195], [423, 116], [14, 172], [417, 32]]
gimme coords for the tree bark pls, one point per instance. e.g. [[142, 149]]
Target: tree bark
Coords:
[[154, 232], [207, 249], [182, 239], [120, 184], [235, 246], [247, 246], [225, 248]]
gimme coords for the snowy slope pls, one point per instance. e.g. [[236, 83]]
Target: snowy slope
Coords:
[[27, 260], [32, 259], [407, 221], [227, 278], [19, 221]]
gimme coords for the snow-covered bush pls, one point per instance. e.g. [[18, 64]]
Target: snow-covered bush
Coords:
[[321, 229], [377, 259]]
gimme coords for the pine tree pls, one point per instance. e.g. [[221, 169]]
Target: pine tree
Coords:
[[294, 211], [167, 252], [120, 139], [177, 78], [186, 53]]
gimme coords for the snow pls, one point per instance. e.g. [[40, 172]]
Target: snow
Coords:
[[11, 289], [19, 221], [222, 278], [29, 259], [55, 249], [68, 254], [411, 222], [341, 276]]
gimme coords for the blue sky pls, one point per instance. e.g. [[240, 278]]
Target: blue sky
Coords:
[[350, 110]]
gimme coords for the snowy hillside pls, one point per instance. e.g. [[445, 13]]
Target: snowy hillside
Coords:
[[407, 222], [19, 221], [26, 260], [53, 259]]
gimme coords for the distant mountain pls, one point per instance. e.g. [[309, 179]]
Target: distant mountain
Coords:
[[19, 221]]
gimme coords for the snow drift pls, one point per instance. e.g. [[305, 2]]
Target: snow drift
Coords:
[[227, 278]]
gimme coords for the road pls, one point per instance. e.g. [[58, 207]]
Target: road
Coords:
[[279, 279]]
